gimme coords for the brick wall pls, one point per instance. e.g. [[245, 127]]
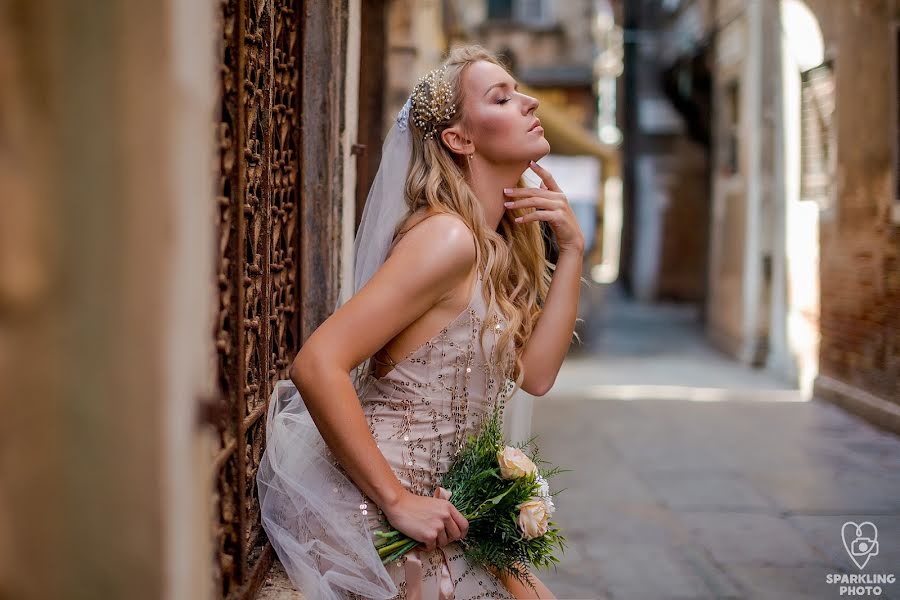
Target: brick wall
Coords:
[[859, 361]]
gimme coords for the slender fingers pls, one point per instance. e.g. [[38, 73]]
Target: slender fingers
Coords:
[[461, 522], [452, 529]]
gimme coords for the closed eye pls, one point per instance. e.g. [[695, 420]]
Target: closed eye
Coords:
[[515, 87]]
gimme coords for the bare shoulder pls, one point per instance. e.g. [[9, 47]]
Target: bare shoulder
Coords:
[[441, 243], [426, 265]]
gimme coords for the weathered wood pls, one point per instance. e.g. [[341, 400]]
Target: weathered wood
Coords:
[[372, 83], [321, 207]]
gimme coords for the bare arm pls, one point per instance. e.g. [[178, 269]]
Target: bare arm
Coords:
[[548, 344], [430, 261]]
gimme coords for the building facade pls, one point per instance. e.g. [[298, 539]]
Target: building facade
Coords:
[[802, 237]]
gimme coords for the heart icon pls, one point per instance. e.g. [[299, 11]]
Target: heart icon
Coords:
[[860, 541]]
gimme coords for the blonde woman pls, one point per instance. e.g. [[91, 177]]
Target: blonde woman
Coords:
[[455, 307]]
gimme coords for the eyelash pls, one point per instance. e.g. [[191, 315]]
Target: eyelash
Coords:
[[504, 100]]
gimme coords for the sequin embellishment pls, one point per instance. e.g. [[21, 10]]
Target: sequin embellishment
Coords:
[[421, 413]]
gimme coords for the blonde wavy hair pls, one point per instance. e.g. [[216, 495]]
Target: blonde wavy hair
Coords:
[[513, 258]]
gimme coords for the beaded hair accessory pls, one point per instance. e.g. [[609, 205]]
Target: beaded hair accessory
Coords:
[[431, 102]]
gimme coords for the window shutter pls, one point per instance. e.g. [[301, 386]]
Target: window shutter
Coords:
[[817, 133]]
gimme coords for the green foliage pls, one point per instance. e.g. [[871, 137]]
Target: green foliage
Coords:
[[489, 503]]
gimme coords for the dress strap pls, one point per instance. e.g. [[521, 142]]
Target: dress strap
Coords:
[[389, 361]]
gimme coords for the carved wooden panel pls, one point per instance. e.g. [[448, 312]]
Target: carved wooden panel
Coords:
[[257, 201]]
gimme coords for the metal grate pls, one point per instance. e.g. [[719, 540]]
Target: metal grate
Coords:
[[256, 329]]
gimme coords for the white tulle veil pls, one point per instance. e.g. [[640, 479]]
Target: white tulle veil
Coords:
[[309, 507]]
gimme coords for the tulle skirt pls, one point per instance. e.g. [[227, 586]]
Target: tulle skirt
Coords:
[[310, 509]]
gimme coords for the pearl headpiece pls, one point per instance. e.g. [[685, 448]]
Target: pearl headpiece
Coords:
[[431, 102]]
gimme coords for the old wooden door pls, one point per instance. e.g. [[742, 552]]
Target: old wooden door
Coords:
[[280, 205], [257, 207]]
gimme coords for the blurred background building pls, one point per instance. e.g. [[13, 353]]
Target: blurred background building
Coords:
[[761, 181], [181, 184]]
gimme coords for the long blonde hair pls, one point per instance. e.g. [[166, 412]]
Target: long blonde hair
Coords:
[[512, 258]]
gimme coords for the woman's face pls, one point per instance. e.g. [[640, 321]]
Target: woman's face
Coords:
[[498, 119]]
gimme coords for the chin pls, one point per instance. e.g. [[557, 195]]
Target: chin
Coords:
[[542, 152]]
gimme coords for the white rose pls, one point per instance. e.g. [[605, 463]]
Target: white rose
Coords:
[[514, 463], [548, 502], [533, 518], [543, 493]]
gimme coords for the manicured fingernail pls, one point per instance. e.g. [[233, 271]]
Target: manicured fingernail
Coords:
[[533, 163], [507, 204], [507, 190], [518, 219]]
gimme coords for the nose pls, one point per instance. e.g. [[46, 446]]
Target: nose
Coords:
[[531, 104]]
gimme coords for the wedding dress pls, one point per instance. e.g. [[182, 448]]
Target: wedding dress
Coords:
[[420, 414]]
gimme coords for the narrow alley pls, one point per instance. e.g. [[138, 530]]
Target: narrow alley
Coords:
[[695, 477], [191, 190]]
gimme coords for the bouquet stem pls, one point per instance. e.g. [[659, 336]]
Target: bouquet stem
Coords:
[[482, 483], [388, 548], [393, 544], [403, 549]]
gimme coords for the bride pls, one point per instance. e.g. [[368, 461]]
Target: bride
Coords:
[[454, 308]]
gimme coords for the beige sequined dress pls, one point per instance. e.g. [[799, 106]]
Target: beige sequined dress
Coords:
[[420, 414]]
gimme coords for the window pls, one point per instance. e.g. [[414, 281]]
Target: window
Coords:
[[533, 12], [729, 135], [500, 9], [527, 12], [817, 143]]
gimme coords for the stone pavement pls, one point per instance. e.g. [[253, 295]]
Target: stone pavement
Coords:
[[277, 586], [696, 477]]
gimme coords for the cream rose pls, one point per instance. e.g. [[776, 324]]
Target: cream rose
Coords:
[[514, 463], [533, 518]]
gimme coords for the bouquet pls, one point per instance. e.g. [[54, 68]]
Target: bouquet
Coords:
[[506, 499]]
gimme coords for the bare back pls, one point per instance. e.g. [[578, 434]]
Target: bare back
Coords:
[[431, 322]]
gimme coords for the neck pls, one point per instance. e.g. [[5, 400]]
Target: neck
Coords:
[[488, 181]]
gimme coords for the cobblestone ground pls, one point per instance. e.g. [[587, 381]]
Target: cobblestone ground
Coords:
[[695, 477], [277, 586]]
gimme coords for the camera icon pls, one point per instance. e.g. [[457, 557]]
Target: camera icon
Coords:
[[863, 545], [860, 541]]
